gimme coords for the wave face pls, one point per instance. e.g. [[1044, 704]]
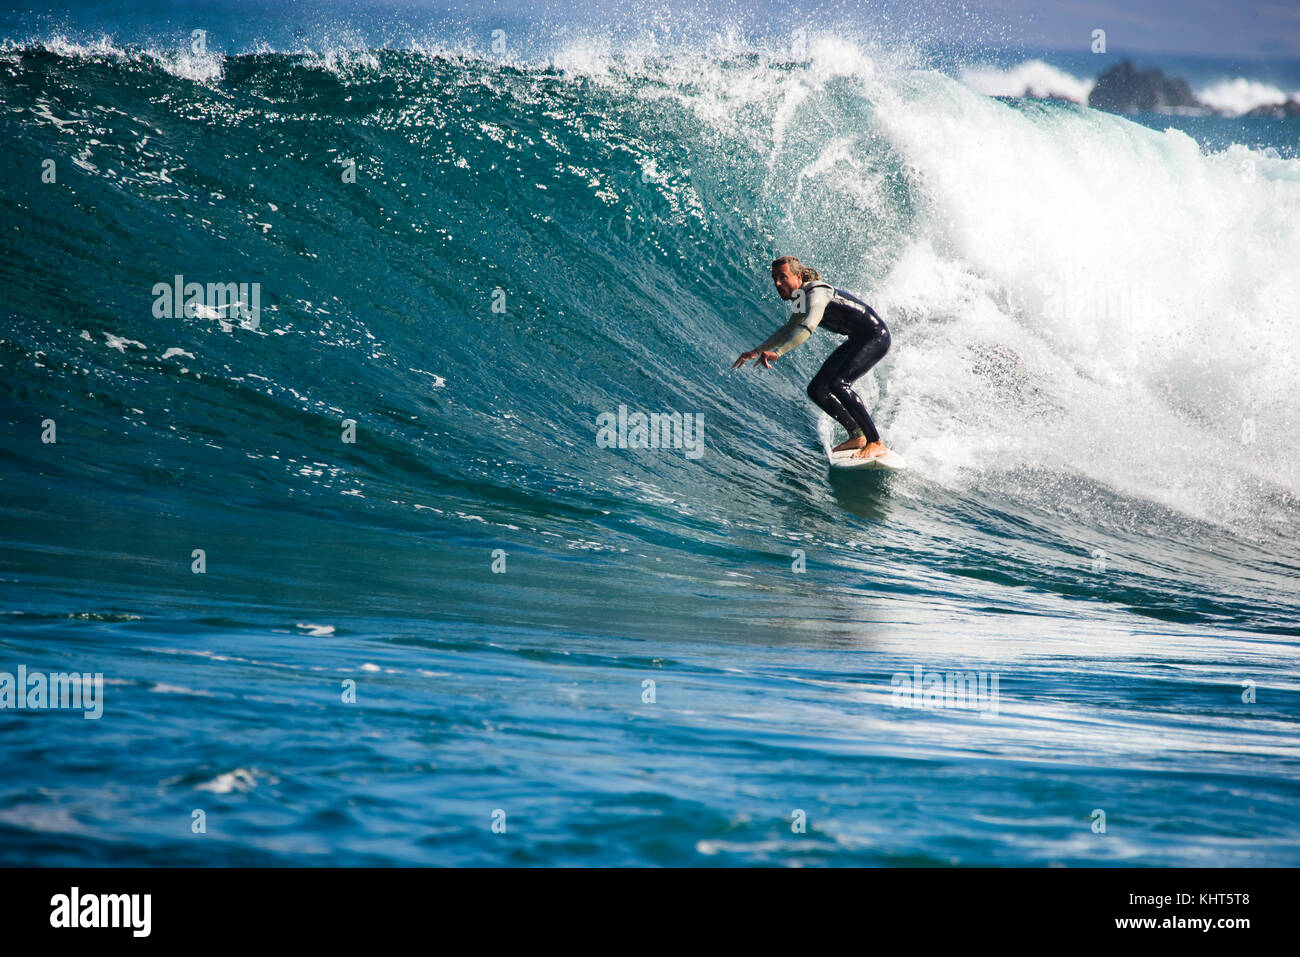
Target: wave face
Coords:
[[1095, 379]]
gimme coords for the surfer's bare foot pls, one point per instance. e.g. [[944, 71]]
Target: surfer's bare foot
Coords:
[[871, 451], [854, 443]]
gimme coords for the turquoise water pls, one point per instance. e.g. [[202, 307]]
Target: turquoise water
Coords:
[[1094, 379]]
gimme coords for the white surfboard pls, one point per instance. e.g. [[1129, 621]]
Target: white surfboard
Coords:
[[845, 460]]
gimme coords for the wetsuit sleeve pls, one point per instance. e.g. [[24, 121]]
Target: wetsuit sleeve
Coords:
[[787, 337], [801, 325]]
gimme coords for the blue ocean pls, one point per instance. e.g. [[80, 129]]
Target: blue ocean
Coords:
[[307, 344]]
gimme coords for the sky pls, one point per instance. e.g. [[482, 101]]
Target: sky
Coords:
[[1210, 27]]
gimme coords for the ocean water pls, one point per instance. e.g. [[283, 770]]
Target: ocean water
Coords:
[[365, 588]]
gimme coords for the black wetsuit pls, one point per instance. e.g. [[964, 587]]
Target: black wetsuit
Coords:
[[867, 342]]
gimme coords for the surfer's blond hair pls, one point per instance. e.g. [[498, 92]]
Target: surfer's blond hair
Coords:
[[806, 273]]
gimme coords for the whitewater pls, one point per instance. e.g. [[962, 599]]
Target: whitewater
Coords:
[[359, 575]]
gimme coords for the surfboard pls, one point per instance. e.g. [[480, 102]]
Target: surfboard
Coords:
[[845, 460]]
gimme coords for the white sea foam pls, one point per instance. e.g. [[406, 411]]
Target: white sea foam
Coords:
[[1031, 78], [1096, 296], [240, 779], [1237, 96]]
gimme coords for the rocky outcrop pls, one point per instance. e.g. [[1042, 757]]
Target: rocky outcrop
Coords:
[[1125, 89], [1278, 111]]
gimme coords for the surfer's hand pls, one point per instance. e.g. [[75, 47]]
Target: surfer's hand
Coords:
[[767, 358], [745, 357]]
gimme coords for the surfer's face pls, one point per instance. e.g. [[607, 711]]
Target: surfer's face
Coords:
[[786, 280]]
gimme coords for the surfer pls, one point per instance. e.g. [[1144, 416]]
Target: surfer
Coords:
[[842, 313]]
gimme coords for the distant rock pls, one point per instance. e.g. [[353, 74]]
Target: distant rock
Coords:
[[1278, 111], [1125, 89], [1050, 97]]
